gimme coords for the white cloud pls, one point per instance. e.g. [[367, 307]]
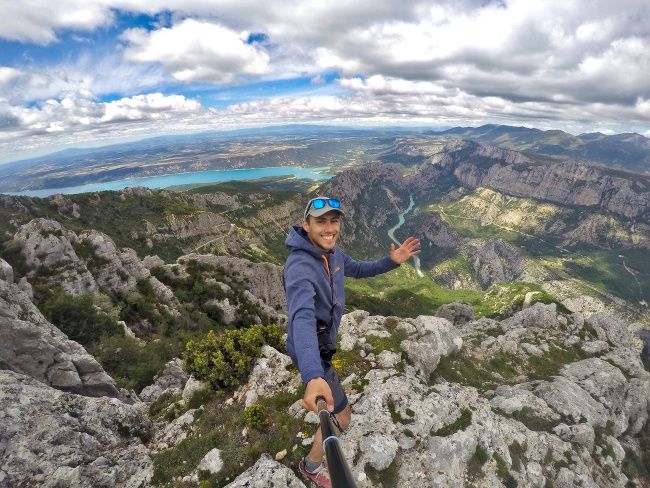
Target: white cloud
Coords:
[[38, 22], [573, 64], [197, 51], [151, 106]]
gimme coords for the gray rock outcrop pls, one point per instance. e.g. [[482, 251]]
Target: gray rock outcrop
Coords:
[[50, 438], [6, 271], [171, 380], [268, 473], [33, 346]]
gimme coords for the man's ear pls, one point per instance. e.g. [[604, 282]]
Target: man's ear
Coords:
[[305, 224]]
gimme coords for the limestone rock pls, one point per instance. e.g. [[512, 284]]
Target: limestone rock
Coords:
[[175, 432], [171, 379], [457, 313], [6, 271], [32, 346], [51, 438], [211, 462], [269, 377], [267, 473], [438, 338], [191, 387]]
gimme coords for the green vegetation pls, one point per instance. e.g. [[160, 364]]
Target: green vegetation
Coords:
[[78, 317], [385, 478], [637, 466], [224, 360], [402, 293], [461, 423], [183, 458], [531, 420], [476, 462], [504, 368], [133, 365], [255, 417], [503, 472], [220, 425]]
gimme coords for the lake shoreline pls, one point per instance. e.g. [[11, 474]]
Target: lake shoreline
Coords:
[[185, 178]]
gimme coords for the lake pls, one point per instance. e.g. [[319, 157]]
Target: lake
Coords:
[[194, 177]]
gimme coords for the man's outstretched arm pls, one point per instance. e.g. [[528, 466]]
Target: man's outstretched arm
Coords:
[[365, 269]]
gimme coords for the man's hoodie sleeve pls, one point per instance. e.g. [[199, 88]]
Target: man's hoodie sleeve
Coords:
[[365, 269], [302, 319]]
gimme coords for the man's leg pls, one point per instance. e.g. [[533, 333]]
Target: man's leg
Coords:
[[316, 454]]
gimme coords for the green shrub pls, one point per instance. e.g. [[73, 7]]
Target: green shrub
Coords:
[[224, 360], [78, 317], [133, 365], [255, 417]]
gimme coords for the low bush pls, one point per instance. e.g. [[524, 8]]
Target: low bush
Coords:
[[78, 317], [224, 360]]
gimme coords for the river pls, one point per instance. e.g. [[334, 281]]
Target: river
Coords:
[[391, 234]]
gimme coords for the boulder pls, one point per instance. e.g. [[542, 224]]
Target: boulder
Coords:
[[51, 438], [170, 380], [437, 338], [456, 312], [267, 473], [271, 375]]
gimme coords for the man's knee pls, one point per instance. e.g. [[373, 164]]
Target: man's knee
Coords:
[[344, 417]]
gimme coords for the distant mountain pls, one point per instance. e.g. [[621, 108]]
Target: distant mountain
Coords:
[[625, 151]]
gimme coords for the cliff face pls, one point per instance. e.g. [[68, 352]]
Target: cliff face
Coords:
[[31, 345], [567, 183]]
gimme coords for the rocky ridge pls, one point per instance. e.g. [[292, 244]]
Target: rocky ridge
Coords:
[[421, 418]]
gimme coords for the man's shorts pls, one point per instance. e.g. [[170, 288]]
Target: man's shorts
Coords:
[[332, 378]]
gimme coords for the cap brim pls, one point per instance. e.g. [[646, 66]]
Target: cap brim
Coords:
[[317, 212]]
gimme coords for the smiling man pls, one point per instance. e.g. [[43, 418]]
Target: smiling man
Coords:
[[314, 275]]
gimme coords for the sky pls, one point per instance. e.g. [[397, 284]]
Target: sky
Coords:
[[80, 73]]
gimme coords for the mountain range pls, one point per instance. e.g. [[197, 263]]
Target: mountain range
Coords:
[[142, 329]]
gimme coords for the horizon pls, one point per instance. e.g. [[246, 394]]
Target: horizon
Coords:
[[91, 74], [261, 129]]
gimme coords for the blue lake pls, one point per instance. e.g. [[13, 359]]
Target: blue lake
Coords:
[[194, 177]]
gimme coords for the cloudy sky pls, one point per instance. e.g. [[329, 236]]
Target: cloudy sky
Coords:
[[91, 72]]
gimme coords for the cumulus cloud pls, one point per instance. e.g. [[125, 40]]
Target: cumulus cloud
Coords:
[[573, 64], [197, 51], [39, 23]]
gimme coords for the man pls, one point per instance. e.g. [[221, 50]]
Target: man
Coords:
[[313, 276]]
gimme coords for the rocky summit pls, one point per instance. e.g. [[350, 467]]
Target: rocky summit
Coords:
[[143, 331], [541, 398]]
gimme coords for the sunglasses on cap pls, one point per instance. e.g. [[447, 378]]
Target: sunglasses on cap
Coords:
[[319, 203]]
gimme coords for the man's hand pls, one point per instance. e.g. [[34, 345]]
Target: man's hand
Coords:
[[409, 248], [315, 388]]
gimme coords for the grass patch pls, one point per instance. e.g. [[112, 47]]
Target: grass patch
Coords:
[[503, 472], [636, 466], [274, 430], [461, 423], [466, 370], [181, 459], [476, 462], [385, 478], [391, 343], [531, 420]]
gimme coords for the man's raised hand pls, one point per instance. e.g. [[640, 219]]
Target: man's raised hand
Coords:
[[409, 248]]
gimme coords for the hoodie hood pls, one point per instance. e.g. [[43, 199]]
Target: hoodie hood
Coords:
[[298, 239]]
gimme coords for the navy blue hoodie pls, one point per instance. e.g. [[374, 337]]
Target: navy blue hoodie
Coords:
[[314, 286]]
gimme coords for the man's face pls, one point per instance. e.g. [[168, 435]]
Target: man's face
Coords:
[[323, 231]]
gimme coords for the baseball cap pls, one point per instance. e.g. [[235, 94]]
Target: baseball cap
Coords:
[[321, 205]]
